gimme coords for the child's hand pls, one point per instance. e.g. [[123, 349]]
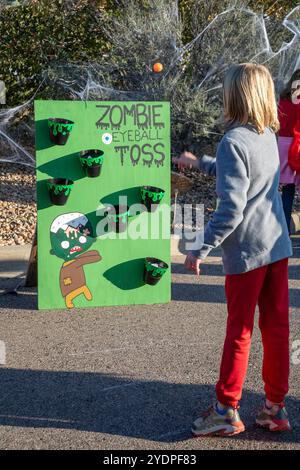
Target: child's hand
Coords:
[[186, 160], [192, 263]]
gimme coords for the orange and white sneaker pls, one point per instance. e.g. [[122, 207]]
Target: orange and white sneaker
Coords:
[[273, 418], [215, 422]]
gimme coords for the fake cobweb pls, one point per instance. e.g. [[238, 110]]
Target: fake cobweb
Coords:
[[192, 73]]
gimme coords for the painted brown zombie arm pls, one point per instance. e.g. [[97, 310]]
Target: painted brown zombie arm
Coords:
[[91, 256]]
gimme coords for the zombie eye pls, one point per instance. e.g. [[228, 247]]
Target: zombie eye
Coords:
[[82, 239], [65, 244], [107, 138]]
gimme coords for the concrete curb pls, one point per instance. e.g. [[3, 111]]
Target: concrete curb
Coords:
[[13, 264]]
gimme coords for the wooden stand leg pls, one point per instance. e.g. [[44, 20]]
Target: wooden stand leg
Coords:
[[31, 275]]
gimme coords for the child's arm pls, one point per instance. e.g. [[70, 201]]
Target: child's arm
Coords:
[[189, 160], [208, 165], [232, 187]]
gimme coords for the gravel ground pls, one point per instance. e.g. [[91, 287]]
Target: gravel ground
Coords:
[[17, 204], [18, 201]]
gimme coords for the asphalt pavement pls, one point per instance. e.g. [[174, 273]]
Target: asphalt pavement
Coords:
[[128, 377]]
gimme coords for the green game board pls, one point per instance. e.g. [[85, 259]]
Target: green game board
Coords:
[[82, 261]]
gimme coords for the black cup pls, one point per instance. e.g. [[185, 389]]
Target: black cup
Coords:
[[91, 162], [59, 130], [151, 197], [59, 190], [154, 269], [118, 218]]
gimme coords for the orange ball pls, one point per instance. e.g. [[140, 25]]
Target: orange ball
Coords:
[[157, 67]]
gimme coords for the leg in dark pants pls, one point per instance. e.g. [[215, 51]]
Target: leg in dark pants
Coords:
[[288, 193]]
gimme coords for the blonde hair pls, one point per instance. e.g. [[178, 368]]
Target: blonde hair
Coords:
[[249, 97]]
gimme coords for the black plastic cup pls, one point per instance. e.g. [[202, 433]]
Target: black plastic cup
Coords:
[[91, 162], [118, 218], [59, 190], [154, 269], [151, 197], [59, 130]]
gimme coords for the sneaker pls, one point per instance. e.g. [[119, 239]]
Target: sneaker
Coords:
[[274, 418], [217, 423]]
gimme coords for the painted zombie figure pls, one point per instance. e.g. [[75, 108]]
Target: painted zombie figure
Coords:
[[71, 236]]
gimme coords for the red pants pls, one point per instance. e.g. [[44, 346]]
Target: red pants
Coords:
[[268, 287]]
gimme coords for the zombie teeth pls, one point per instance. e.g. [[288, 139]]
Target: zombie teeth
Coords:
[[75, 249]]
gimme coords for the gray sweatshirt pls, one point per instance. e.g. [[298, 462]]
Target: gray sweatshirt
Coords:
[[249, 221]]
